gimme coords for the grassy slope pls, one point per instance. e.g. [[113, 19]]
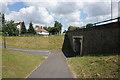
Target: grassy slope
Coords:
[[94, 67], [0, 63], [18, 65], [48, 43]]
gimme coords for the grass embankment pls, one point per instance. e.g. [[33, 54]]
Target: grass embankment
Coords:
[[43, 43], [18, 65], [0, 57], [94, 66]]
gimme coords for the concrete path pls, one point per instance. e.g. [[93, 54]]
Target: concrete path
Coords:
[[54, 67]]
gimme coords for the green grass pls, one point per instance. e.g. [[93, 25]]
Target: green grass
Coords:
[[18, 65], [94, 67], [43, 43], [0, 63]]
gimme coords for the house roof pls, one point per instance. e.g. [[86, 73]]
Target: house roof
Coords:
[[40, 29]]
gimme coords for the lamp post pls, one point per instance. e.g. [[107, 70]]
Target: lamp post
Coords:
[[2, 24], [4, 40]]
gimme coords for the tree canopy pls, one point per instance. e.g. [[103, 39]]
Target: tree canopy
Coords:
[[54, 30], [23, 28], [72, 28], [3, 20], [10, 29], [58, 26], [31, 29], [89, 25]]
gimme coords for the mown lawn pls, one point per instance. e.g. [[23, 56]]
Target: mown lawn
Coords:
[[18, 65], [38, 42], [94, 66]]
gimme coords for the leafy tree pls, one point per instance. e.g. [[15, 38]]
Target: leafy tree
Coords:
[[64, 31], [89, 25], [31, 29], [73, 28], [23, 28], [58, 26], [45, 28], [49, 29], [52, 30], [10, 29], [0, 22]]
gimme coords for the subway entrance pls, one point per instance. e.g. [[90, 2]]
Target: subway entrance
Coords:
[[77, 44]]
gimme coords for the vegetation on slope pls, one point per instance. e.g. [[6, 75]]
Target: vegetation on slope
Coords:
[[17, 64], [43, 43], [94, 66]]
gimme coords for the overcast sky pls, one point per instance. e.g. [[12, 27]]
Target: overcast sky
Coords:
[[68, 12]]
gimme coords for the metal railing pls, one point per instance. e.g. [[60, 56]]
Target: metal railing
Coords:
[[118, 20]]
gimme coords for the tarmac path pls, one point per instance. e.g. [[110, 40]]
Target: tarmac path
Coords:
[[55, 65]]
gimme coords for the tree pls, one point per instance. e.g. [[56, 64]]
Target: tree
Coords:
[[49, 29], [10, 29], [31, 29], [45, 28], [64, 31], [23, 28], [52, 30], [0, 23], [3, 19], [89, 25], [58, 26], [73, 28]]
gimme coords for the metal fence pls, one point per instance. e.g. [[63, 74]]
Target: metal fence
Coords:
[[108, 21]]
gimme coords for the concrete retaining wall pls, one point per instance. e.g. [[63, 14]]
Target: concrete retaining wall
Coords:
[[103, 39]]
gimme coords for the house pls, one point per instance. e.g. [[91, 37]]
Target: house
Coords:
[[41, 31], [19, 26], [99, 39]]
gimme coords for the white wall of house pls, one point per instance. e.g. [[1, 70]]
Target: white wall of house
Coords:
[[43, 33], [18, 26]]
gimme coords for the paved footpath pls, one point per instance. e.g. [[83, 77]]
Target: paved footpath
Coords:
[[29, 51], [54, 67]]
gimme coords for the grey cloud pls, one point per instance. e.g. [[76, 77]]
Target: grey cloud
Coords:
[[97, 8], [64, 8]]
